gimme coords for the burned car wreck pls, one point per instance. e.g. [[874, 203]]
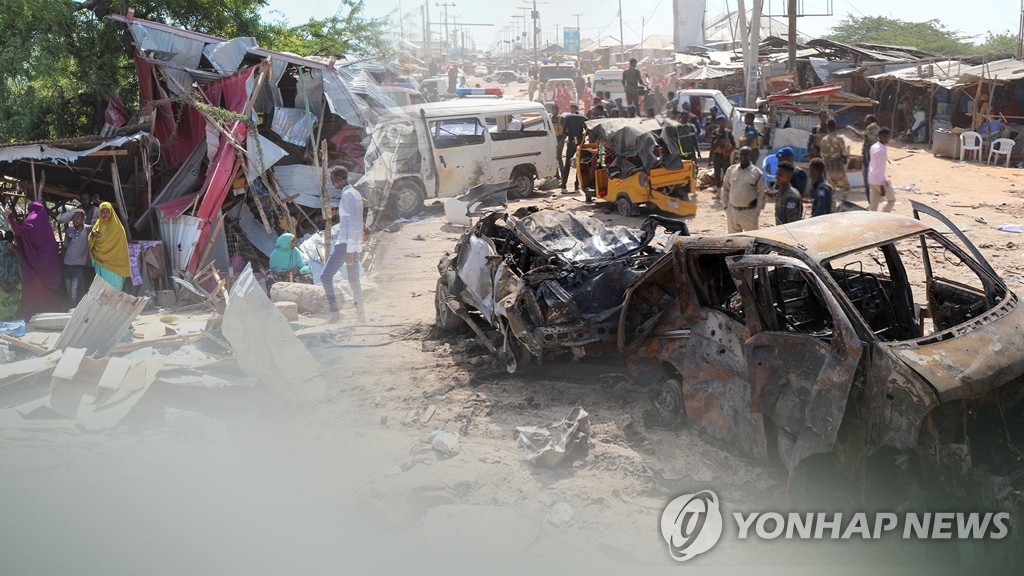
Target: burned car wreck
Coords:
[[872, 345], [540, 283], [881, 348]]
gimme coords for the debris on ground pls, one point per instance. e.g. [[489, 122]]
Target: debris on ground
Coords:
[[548, 446]]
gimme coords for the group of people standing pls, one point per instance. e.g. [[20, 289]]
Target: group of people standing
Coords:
[[32, 263], [745, 190]]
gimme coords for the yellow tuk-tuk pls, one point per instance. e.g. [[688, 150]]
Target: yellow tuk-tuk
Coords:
[[629, 164]]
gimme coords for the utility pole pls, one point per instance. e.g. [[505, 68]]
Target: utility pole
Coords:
[[791, 12], [445, 5], [401, 24], [622, 43], [1020, 35], [750, 72], [428, 57]]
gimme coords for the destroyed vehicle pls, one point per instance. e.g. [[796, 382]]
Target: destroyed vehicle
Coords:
[[446, 148], [871, 347], [543, 283]]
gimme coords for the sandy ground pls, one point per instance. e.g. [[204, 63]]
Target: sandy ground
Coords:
[[350, 485]]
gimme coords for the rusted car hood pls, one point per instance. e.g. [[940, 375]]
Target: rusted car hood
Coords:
[[985, 354]]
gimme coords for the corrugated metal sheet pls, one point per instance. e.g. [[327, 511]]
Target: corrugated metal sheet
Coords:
[[100, 320], [180, 235], [945, 73], [1000, 71], [44, 151]]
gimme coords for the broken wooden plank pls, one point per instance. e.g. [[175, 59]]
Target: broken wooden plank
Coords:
[[37, 350], [431, 410]]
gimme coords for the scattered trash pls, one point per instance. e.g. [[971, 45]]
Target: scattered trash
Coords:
[[16, 328], [1015, 228], [445, 442], [548, 446], [560, 514], [490, 459], [980, 220]]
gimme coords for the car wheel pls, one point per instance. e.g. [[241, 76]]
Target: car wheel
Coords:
[[406, 200], [446, 320], [522, 185], [624, 206], [668, 399]]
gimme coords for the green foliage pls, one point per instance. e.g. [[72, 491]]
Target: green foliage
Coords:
[[60, 60], [931, 36], [999, 43]]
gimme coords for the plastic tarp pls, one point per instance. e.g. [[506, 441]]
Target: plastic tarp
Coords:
[[265, 345], [628, 137], [56, 155]]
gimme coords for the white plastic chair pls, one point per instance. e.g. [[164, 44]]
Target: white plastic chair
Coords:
[[1001, 147], [970, 142]]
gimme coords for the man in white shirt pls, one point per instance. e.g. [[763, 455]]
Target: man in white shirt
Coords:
[[879, 184], [347, 245]]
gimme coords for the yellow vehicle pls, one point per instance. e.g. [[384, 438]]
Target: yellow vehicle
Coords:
[[630, 164]]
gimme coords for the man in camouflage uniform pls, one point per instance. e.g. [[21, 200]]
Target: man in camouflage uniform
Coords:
[[833, 152]]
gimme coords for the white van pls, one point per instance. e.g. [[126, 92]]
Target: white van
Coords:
[[445, 148], [609, 81]]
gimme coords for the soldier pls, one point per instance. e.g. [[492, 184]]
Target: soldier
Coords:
[[722, 145], [833, 152]]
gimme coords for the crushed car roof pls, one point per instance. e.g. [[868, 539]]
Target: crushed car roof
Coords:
[[826, 237]]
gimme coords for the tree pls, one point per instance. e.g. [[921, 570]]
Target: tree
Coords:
[[1005, 43], [930, 36], [60, 60]]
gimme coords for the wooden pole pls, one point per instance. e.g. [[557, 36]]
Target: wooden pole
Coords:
[[326, 199], [116, 179]]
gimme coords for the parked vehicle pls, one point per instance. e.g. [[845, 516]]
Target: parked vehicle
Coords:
[[609, 81], [480, 71], [552, 71], [647, 169], [547, 93], [812, 345], [436, 88], [505, 77], [446, 148], [815, 346], [566, 274], [701, 100]]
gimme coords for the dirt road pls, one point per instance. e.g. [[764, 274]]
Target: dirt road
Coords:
[[350, 484]]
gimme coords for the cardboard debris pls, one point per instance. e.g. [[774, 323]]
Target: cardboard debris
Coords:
[[10, 373], [50, 321], [101, 319], [265, 345]]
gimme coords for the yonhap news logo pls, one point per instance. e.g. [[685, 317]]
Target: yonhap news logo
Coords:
[[693, 523]]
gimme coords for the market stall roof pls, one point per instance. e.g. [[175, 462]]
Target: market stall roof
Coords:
[[862, 53], [707, 73], [71, 166], [1000, 71], [944, 73], [831, 94], [602, 42], [655, 42]]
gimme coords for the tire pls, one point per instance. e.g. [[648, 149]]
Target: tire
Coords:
[[446, 320], [522, 185], [668, 399], [406, 200], [624, 207]]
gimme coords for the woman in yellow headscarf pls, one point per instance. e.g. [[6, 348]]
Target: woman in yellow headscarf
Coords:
[[108, 247]]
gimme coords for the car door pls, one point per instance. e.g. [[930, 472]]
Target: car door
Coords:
[[461, 153], [708, 351], [802, 353]]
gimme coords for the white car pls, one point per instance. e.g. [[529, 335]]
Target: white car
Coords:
[[480, 71]]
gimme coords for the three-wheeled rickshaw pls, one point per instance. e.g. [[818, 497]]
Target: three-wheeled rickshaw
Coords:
[[634, 161]]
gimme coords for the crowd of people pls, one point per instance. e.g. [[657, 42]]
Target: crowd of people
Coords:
[[34, 267], [741, 186]]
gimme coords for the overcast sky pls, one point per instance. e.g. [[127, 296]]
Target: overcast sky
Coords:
[[600, 17]]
